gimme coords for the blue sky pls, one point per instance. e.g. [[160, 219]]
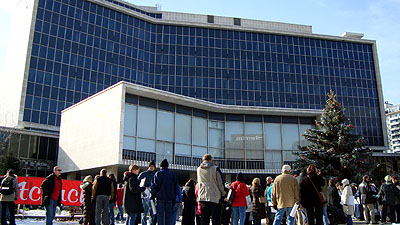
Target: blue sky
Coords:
[[376, 19]]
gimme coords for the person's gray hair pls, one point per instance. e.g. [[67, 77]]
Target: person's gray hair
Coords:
[[286, 168], [388, 178]]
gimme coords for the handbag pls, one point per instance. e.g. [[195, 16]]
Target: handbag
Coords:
[[231, 195], [321, 195], [263, 199]]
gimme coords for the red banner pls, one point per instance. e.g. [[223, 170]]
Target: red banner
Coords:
[[31, 194]]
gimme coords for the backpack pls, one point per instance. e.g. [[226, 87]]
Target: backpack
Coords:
[[7, 187]]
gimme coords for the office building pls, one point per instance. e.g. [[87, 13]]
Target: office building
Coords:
[[393, 126], [247, 71]]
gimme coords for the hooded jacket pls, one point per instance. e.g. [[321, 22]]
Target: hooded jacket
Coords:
[[209, 181], [165, 186]]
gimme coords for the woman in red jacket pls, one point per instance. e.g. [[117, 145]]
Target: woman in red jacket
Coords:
[[239, 203]]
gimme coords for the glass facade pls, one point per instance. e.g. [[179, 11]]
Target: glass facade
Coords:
[[183, 135], [38, 154], [80, 48]]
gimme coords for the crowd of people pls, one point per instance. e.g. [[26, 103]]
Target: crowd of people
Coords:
[[154, 197]]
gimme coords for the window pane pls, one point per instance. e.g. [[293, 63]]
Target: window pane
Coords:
[[183, 129], [235, 154], [273, 159], [53, 149], [14, 144], [145, 145], [290, 134], [234, 135], [165, 126], [272, 134], [254, 154], [130, 120], [33, 147], [215, 134], [254, 136], [129, 143], [43, 144], [182, 150], [164, 151], [199, 130], [199, 151], [24, 146], [303, 128], [289, 156], [216, 153], [147, 123]]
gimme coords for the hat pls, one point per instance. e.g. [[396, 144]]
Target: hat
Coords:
[[345, 182], [286, 168], [164, 163], [152, 163], [388, 178], [10, 172]]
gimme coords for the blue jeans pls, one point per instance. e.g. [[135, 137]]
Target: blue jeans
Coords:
[[111, 213], [279, 216], [174, 213], [102, 210], [256, 222], [51, 211], [120, 214], [147, 210], [239, 212], [349, 220], [325, 215], [165, 212], [131, 219]]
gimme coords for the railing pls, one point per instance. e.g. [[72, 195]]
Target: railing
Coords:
[[191, 163], [154, 15]]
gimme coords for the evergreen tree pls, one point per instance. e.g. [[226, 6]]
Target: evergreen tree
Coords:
[[9, 161], [332, 147]]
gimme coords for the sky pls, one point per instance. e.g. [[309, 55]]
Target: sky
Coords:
[[377, 19]]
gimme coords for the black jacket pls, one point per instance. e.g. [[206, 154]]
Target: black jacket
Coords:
[[132, 194], [308, 195], [189, 205], [388, 193], [333, 196], [367, 195], [47, 189]]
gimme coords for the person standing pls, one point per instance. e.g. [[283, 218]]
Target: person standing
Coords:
[[269, 183], [367, 199], [310, 188], [257, 207], [210, 191], [103, 193], [239, 203], [178, 203], [285, 193], [9, 193], [114, 199], [120, 197], [164, 189], [333, 195], [397, 204], [88, 209], [189, 203], [388, 194], [51, 193], [348, 206], [132, 194], [148, 175]]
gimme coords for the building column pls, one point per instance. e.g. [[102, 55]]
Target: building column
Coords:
[[114, 170]]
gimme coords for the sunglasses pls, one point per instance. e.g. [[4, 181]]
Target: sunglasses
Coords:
[[59, 170]]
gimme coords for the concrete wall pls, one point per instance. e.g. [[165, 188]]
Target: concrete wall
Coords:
[[90, 131]]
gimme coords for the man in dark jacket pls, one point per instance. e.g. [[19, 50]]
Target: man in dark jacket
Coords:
[[367, 199], [103, 193], [148, 176], [164, 188], [132, 200], [51, 194], [388, 194]]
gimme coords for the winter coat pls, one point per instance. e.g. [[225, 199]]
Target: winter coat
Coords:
[[257, 207], [189, 205], [309, 197], [88, 207], [14, 196], [47, 187], [367, 195], [347, 193], [241, 191], [333, 196], [132, 194], [209, 179], [388, 193], [165, 185], [285, 191], [149, 175]]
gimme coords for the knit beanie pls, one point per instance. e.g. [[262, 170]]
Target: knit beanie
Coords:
[[164, 163]]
